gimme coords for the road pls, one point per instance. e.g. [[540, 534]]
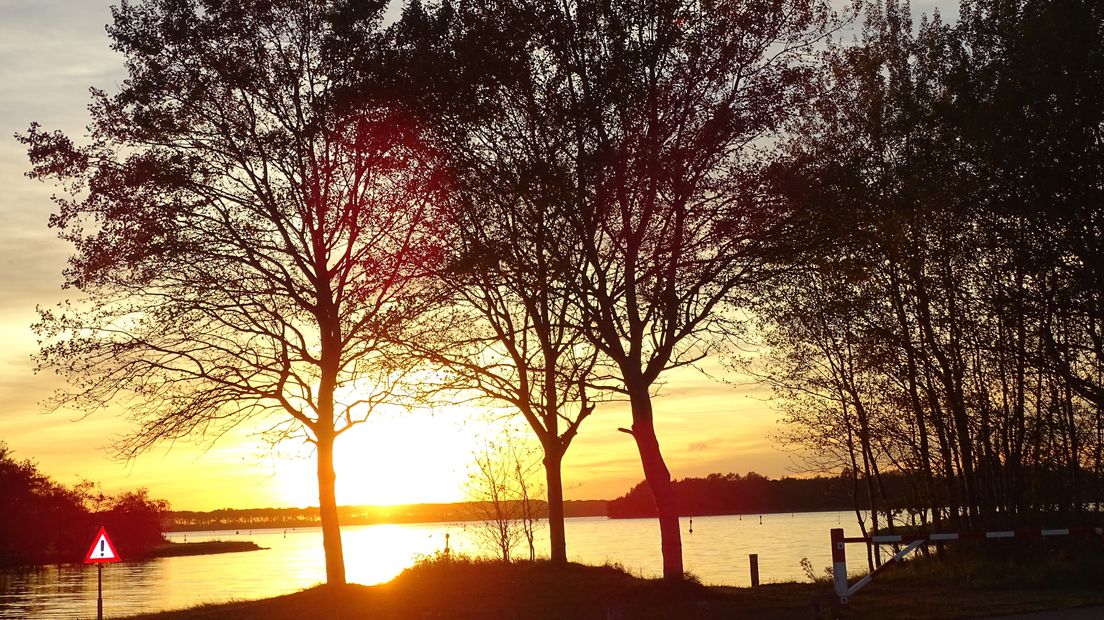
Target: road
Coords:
[[1078, 613]]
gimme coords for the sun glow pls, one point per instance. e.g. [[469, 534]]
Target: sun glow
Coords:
[[390, 459]]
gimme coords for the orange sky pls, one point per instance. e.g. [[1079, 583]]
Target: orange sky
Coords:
[[51, 52]]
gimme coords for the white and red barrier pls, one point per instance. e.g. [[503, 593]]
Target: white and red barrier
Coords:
[[913, 541]]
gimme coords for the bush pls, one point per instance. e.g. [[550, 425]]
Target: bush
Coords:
[[45, 522]]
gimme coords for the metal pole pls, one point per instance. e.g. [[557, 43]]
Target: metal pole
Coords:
[[99, 591], [754, 557]]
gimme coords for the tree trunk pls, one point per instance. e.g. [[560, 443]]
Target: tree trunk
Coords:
[[553, 461], [927, 484], [659, 481], [327, 508]]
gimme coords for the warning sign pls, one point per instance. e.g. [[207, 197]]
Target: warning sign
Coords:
[[102, 550]]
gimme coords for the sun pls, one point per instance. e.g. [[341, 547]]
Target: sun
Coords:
[[393, 458]]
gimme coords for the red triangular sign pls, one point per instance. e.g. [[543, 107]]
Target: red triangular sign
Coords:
[[101, 550]]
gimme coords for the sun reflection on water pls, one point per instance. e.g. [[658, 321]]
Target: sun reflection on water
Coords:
[[293, 560], [378, 553]]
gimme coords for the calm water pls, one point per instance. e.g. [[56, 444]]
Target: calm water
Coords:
[[716, 552]]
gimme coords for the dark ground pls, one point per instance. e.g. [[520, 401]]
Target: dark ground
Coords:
[[463, 589]]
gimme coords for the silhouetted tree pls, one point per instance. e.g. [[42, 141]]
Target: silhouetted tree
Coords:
[[44, 521], [511, 335], [628, 126], [249, 244], [952, 306], [510, 340], [663, 101], [136, 517], [1038, 66]]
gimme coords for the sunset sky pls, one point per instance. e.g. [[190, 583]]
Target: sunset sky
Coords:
[[51, 52]]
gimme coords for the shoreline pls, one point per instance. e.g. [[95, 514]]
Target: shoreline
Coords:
[[464, 588]]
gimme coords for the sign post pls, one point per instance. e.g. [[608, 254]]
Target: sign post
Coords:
[[100, 553]]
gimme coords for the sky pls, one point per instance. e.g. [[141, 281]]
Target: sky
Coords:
[[51, 53]]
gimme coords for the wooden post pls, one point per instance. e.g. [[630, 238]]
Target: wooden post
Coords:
[[754, 557]]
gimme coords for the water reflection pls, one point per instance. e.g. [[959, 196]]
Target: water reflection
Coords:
[[70, 591], [716, 552]]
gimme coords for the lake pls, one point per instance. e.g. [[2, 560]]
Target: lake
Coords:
[[716, 552]]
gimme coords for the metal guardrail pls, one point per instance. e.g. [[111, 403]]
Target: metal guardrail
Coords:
[[844, 590]]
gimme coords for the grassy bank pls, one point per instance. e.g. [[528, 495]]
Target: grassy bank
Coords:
[[465, 589], [172, 549]]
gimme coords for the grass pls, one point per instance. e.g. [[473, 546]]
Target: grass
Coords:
[[955, 586], [171, 549]]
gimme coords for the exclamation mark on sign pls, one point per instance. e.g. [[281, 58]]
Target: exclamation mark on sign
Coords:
[[102, 543]]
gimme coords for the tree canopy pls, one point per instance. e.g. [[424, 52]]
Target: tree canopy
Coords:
[[44, 521], [951, 330], [249, 241], [614, 145]]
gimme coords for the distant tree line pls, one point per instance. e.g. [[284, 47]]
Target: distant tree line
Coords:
[[42, 521], [951, 326], [261, 518], [733, 494]]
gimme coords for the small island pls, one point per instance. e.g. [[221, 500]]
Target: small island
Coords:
[[206, 547]]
